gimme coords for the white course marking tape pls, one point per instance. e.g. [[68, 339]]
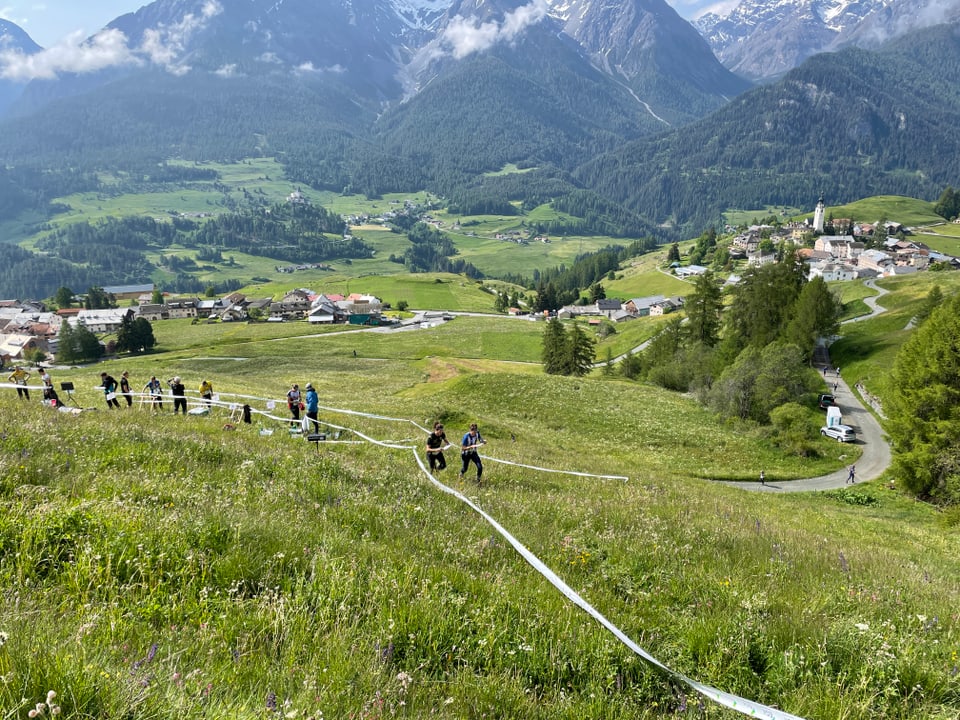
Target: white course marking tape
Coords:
[[734, 702]]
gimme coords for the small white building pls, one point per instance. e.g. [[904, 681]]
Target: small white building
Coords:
[[104, 321]]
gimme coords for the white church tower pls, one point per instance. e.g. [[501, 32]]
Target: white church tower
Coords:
[[818, 216]]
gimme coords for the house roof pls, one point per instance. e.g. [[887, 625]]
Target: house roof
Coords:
[[127, 289], [645, 302]]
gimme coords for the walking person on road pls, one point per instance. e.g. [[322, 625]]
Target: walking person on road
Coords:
[[852, 475], [763, 478]]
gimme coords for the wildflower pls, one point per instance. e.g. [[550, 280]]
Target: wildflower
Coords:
[[3, 638], [862, 627]]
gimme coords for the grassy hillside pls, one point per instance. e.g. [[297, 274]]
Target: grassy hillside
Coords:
[[261, 181], [905, 210], [167, 567]]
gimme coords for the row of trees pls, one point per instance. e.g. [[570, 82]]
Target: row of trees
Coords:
[[922, 412], [751, 357]]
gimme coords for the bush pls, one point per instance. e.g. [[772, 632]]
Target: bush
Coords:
[[795, 433]]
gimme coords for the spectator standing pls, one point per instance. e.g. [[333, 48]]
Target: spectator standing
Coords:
[[155, 390], [109, 385], [313, 405], [125, 388], [294, 402], [19, 377], [179, 393]]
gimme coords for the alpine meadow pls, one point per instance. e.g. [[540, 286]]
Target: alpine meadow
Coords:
[[489, 360]]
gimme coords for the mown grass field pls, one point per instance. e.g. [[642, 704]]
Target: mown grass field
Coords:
[[166, 567], [905, 210]]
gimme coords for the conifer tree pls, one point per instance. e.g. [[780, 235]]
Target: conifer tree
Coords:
[[924, 409], [554, 348], [579, 352], [703, 307]]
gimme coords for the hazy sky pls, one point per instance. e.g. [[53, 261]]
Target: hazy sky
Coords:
[[50, 21]]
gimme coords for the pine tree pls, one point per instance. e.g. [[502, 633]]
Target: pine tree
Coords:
[[126, 342], [579, 352], [924, 409], [703, 307], [554, 348], [816, 314], [143, 333]]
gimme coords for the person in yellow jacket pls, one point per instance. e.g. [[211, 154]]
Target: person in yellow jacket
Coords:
[[19, 377], [206, 392]]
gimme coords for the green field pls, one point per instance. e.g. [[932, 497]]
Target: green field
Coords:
[[169, 567], [751, 217], [905, 210], [908, 211], [645, 276]]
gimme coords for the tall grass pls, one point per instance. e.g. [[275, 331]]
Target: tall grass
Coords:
[[154, 566]]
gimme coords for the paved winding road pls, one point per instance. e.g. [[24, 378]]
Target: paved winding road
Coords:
[[870, 436]]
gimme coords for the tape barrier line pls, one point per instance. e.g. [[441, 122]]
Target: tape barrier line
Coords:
[[551, 470], [729, 700]]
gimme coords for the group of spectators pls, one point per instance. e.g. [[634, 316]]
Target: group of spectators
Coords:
[[297, 402]]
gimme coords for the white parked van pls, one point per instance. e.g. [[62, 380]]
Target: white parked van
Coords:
[[833, 416]]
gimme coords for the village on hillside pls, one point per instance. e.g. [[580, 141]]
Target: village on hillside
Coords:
[[840, 250], [27, 328]]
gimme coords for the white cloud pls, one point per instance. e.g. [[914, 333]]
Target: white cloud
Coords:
[[161, 45], [464, 36], [164, 43], [105, 49], [227, 71], [309, 67], [269, 57], [722, 8]]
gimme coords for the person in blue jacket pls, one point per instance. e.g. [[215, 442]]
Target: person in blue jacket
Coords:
[[313, 404], [468, 451]]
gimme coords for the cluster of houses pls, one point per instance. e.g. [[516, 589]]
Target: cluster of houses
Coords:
[[287, 269], [840, 257], [844, 258], [300, 304], [26, 326], [519, 238], [620, 311]]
